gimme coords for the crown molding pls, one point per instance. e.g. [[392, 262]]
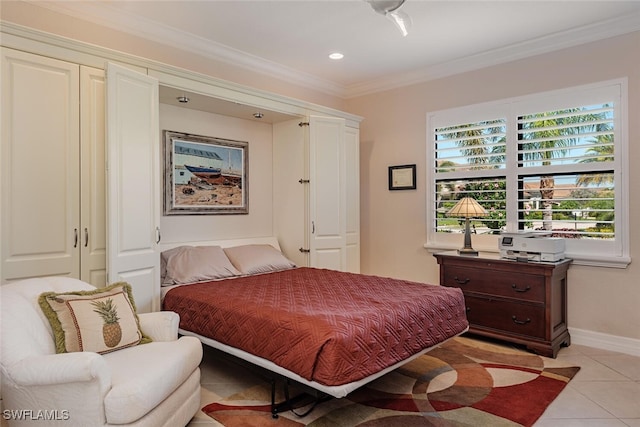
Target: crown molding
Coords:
[[553, 42], [19, 37], [102, 14]]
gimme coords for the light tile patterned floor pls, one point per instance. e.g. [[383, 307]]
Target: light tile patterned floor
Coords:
[[605, 393]]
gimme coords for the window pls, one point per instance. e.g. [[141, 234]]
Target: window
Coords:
[[553, 163]]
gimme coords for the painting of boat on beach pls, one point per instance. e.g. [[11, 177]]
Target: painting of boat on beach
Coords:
[[205, 175]]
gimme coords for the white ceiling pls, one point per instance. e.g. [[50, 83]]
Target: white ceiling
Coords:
[[292, 39]]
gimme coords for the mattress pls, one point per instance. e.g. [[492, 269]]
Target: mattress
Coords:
[[326, 326]]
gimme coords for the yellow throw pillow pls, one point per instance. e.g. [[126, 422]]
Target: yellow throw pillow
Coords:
[[102, 320]]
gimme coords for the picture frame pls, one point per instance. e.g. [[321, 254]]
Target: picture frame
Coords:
[[402, 177], [205, 175]]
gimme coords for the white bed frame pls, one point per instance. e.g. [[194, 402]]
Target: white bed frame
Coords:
[[335, 391]]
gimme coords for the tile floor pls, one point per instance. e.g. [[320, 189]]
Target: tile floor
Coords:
[[605, 393]]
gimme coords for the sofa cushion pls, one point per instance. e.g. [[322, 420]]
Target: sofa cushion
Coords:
[[102, 320], [135, 391]]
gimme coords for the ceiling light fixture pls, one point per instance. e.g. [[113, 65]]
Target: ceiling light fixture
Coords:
[[391, 10], [183, 99], [258, 115], [336, 55]]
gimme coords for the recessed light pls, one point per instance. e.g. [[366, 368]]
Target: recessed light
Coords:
[[336, 55]]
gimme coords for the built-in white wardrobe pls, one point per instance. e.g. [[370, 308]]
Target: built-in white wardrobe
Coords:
[[78, 203], [316, 192], [53, 176]]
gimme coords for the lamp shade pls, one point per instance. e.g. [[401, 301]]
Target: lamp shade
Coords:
[[467, 207]]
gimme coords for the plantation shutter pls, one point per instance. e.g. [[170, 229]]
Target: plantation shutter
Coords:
[[566, 180], [552, 162], [470, 161]]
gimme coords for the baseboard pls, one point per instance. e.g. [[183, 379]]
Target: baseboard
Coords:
[[605, 341]]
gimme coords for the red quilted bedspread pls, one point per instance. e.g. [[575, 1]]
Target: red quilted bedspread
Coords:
[[327, 326]]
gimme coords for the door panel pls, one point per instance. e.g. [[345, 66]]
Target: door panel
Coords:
[[39, 167], [352, 148], [290, 190], [327, 170], [133, 183], [93, 212]]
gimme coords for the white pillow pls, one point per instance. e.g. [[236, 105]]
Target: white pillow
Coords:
[[252, 259], [191, 264]]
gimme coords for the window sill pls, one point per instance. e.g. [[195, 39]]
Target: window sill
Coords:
[[578, 259]]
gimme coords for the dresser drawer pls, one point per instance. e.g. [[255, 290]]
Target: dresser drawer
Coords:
[[513, 317], [526, 287]]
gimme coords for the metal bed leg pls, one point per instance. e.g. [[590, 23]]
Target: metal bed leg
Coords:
[[274, 408], [289, 403]]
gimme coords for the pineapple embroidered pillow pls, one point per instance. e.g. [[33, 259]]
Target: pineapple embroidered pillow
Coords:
[[101, 321]]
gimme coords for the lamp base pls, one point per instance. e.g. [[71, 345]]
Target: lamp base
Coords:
[[468, 251]]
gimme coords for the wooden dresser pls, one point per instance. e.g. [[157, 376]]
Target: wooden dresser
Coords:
[[520, 302]]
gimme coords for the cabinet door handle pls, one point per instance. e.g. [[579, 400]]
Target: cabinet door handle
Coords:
[[75, 237], [517, 289], [520, 322], [158, 235], [86, 237], [461, 281]]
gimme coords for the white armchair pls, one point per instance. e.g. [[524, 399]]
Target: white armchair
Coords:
[[155, 384]]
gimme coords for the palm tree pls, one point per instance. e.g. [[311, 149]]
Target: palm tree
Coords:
[[447, 187], [602, 151], [478, 144], [558, 131]]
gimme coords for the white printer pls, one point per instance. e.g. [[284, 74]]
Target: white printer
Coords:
[[531, 247]]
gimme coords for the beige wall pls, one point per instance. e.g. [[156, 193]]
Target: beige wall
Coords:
[[394, 131], [605, 300]]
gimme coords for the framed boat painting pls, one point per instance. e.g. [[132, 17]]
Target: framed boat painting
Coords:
[[204, 175]]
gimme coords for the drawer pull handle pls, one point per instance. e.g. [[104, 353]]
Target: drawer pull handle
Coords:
[[517, 289], [461, 281], [520, 322]]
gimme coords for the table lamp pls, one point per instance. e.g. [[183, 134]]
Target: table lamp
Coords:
[[467, 207]]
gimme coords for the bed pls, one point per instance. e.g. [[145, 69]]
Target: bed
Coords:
[[328, 330]]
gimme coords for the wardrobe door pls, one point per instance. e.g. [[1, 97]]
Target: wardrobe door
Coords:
[[133, 184], [39, 160], [290, 190], [327, 204], [352, 148], [93, 210]]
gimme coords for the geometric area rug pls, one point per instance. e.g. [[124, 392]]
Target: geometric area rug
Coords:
[[463, 382]]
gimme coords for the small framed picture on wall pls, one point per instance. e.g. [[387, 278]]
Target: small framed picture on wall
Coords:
[[402, 177]]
